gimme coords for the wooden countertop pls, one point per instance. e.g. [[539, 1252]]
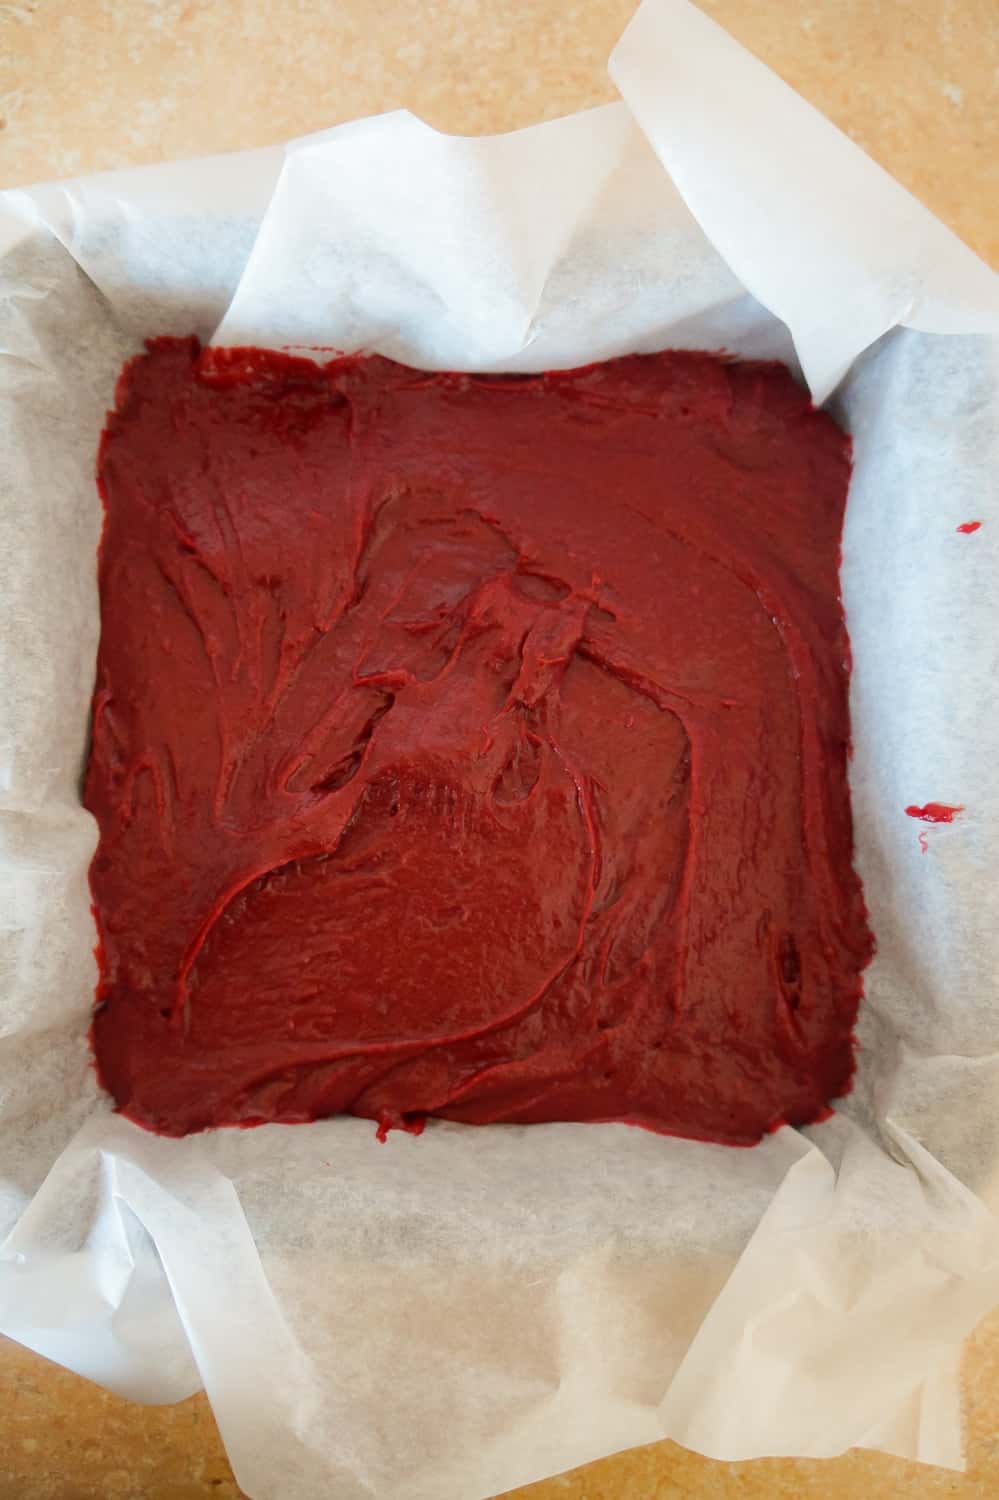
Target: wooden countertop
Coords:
[[87, 84]]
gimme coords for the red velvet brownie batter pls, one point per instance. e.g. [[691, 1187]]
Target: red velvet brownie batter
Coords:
[[472, 746]]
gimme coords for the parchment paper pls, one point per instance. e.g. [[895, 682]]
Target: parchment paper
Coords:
[[458, 1314]]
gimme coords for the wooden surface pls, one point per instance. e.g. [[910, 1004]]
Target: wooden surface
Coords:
[[87, 84]]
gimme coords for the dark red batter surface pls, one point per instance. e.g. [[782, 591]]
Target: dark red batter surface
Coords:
[[472, 746]]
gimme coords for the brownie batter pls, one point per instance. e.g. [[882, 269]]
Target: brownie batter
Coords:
[[472, 746]]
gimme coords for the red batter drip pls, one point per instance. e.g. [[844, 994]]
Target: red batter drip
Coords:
[[935, 812], [472, 746]]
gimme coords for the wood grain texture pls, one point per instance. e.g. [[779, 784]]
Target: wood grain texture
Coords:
[[90, 84]]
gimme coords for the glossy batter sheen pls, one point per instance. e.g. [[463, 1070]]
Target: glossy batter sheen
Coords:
[[472, 746]]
